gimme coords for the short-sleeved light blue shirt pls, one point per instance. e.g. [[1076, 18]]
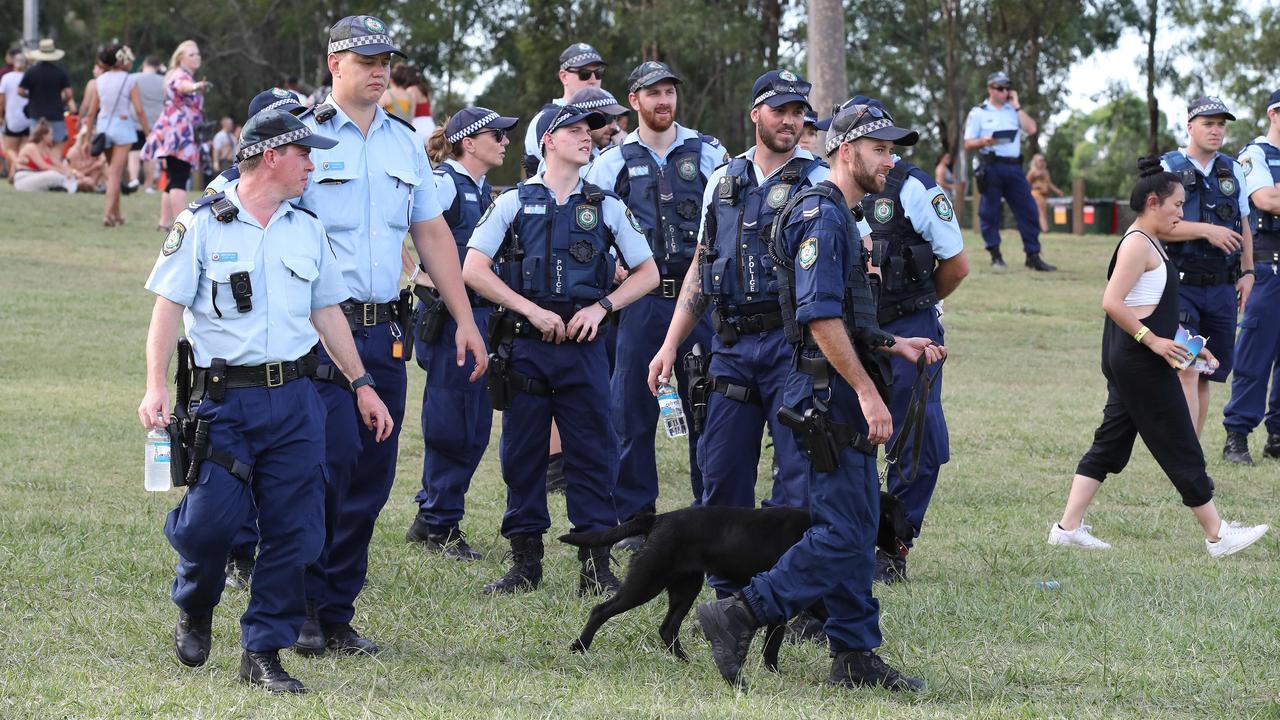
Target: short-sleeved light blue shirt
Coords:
[[492, 230], [446, 191], [606, 168], [1257, 172], [815, 176], [986, 119], [1236, 170], [368, 191], [292, 271], [920, 206]]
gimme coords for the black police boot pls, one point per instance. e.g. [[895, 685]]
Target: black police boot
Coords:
[[311, 640], [1035, 262], [805, 628], [1237, 449], [555, 473], [526, 567], [595, 577], [449, 542], [343, 639], [264, 670], [240, 571], [890, 569], [997, 260], [1272, 448], [192, 637], [864, 668], [730, 626]]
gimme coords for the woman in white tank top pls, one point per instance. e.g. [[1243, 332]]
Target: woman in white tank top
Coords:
[[114, 108]]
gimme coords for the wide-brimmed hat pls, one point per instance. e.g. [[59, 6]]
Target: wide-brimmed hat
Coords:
[[46, 51]]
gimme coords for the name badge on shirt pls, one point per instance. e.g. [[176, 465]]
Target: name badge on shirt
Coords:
[[470, 197], [535, 210], [332, 165], [637, 170], [226, 257]]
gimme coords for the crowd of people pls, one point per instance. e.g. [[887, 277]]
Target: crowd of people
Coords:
[[792, 289]]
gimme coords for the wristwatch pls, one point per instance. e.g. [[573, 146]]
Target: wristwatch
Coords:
[[604, 303], [365, 379], [1248, 272]]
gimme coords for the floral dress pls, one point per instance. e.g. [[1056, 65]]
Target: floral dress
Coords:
[[174, 134]]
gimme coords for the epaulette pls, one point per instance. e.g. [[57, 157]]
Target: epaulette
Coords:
[[296, 206], [204, 200], [711, 140], [403, 122], [322, 112], [224, 211]]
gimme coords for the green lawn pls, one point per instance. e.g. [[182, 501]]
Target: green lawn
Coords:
[[1152, 629]]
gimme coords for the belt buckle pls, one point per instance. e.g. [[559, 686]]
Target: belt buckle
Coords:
[[278, 379], [669, 288], [370, 314]]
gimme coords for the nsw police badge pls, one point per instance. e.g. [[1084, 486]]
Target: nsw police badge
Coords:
[[1228, 186], [174, 239], [882, 211], [587, 216], [778, 195], [374, 25], [808, 254], [687, 168], [942, 208]]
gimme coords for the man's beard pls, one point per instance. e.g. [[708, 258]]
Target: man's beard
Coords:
[[867, 178], [777, 143], [654, 123]]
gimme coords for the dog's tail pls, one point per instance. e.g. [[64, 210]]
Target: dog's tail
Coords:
[[639, 525]]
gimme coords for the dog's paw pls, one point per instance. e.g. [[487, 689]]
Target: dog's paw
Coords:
[[577, 646]]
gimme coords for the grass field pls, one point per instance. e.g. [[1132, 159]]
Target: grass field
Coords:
[[1154, 628]]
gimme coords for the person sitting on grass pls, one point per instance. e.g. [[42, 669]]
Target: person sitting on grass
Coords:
[[1141, 361], [39, 166]]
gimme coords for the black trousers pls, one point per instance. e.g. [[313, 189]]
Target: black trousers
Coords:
[[1145, 398]]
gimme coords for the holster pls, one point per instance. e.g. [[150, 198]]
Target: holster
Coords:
[[980, 178], [434, 314], [813, 435], [404, 311], [497, 381], [181, 429], [695, 368]]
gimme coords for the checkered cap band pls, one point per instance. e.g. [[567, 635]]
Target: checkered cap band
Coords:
[[593, 104], [340, 45], [646, 80], [290, 137], [835, 141], [1213, 107], [581, 59], [789, 89], [281, 103], [473, 127]]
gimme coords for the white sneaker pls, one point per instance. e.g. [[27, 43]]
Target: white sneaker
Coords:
[[1080, 537], [1233, 537]]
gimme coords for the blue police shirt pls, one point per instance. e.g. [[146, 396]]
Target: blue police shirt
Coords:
[[815, 176], [225, 178], [1253, 163], [606, 168], [986, 119], [368, 191], [492, 230], [1236, 170], [292, 271], [446, 191], [921, 207]]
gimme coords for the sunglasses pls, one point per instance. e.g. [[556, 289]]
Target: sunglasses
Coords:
[[585, 75], [498, 134], [1000, 88]]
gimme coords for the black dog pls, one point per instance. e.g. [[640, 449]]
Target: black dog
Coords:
[[731, 542]]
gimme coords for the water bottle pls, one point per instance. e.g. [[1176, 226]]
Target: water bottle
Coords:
[[671, 412], [1048, 584], [155, 474]]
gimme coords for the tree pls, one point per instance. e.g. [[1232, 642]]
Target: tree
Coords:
[[1238, 54], [1102, 147]]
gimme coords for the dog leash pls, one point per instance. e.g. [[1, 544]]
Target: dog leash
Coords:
[[914, 424]]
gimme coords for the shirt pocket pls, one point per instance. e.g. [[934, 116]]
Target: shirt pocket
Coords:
[[333, 196], [396, 198], [222, 278], [302, 272]]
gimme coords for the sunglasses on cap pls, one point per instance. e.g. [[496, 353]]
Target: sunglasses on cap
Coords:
[[863, 111], [585, 75], [782, 87]]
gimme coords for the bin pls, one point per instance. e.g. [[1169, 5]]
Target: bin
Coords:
[[1099, 216], [1059, 214]]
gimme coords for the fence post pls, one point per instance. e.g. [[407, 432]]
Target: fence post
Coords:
[[958, 190], [977, 199], [1077, 206]]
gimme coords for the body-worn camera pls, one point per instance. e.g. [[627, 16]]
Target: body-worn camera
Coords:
[[242, 291]]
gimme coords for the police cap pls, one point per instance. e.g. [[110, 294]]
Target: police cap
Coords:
[[567, 115], [580, 55], [1208, 105], [650, 73], [363, 34], [1000, 78], [1273, 102], [275, 128], [275, 99], [854, 121], [471, 120], [779, 87], [597, 99]]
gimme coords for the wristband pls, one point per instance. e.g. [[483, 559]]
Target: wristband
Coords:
[[414, 277], [606, 304], [365, 379], [1141, 333], [1248, 272]]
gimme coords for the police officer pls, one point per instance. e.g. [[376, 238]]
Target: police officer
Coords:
[[809, 136], [833, 396], [661, 172], [257, 278], [917, 246], [551, 236], [995, 130], [603, 102], [580, 67], [369, 191], [1212, 247], [733, 270], [269, 99], [456, 412], [1257, 348]]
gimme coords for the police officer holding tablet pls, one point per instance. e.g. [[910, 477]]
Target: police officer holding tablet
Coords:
[[369, 191], [259, 282], [551, 238]]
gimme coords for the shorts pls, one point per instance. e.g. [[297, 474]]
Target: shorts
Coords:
[[17, 133], [1210, 310]]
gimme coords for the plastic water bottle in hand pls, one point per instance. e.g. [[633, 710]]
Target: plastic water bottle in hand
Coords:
[[156, 463], [671, 412]]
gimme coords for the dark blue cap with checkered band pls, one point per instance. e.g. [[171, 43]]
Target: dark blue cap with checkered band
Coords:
[[1208, 105], [275, 128], [363, 34]]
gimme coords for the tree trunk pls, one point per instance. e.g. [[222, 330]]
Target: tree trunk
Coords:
[[826, 55], [1153, 105]]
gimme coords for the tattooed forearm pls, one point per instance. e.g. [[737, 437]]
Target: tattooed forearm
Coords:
[[692, 300]]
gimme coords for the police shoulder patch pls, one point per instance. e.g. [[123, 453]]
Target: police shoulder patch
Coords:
[[942, 207], [632, 219], [174, 240], [1246, 163], [808, 253], [485, 216], [587, 216]]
